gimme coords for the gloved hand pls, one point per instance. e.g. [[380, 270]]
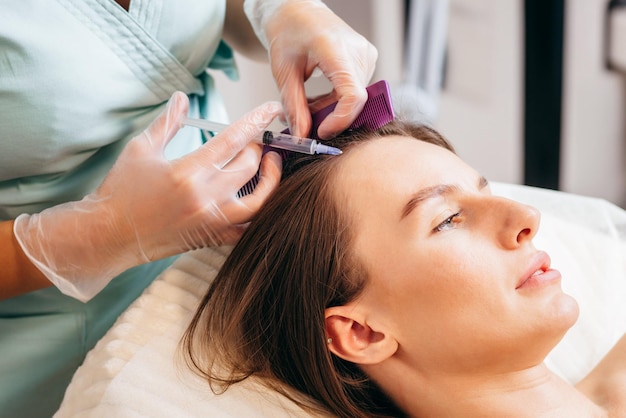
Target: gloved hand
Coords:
[[301, 35], [149, 208]]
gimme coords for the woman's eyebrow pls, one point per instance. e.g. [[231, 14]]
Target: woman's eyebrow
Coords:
[[434, 192]]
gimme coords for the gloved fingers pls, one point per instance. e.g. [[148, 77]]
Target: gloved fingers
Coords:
[[349, 93], [166, 125], [239, 170], [269, 178], [352, 96], [290, 78], [228, 236], [218, 231], [344, 57], [349, 74], [220, 150], [241, 211], [322, 101]]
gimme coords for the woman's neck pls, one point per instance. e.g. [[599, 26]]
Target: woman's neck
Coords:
[[536, 392]]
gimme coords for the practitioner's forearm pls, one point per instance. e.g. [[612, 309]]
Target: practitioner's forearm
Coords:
[[238, 33], [17, 274]]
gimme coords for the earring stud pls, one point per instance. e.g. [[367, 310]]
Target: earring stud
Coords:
[[329, 340]]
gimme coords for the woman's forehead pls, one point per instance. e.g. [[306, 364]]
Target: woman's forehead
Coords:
[[377, 178], [395, 157]]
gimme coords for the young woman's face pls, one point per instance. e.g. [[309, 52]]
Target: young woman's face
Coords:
[[453, 273]]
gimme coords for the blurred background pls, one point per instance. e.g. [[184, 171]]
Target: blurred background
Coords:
[[528, 91]]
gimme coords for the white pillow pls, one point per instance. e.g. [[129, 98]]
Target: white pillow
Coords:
[[135, 369]]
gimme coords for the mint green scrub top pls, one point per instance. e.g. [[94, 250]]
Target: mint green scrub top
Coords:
[[78, 79]]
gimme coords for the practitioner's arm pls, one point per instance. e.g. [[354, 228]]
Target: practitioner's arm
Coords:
[[239, 35], [17, 274]]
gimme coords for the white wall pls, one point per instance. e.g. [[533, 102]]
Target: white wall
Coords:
[[594, 110], [481, 107]]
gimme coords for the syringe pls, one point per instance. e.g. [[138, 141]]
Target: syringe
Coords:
[[273, 139]]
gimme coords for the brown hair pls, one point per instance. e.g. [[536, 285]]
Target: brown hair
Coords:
[[264, 313]]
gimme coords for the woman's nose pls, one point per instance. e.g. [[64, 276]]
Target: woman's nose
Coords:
[[518, 222]]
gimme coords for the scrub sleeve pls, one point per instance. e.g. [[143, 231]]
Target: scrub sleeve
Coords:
[[78, 79]]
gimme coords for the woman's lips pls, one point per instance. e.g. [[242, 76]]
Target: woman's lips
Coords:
[[540, 278], [538, 273]]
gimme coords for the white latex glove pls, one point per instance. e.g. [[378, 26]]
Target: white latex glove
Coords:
[[149, 208], [302, 35]]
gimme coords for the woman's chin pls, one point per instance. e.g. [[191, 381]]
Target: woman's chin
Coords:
[[566, 312]]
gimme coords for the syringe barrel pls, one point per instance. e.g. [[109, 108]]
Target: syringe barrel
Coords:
[[289, 142]]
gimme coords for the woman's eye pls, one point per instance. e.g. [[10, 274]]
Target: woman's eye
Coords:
[[447, 224]]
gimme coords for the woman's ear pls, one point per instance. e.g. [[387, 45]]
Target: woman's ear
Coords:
[[352, 339]]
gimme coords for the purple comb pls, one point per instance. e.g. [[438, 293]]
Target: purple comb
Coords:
[[376, 113]]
